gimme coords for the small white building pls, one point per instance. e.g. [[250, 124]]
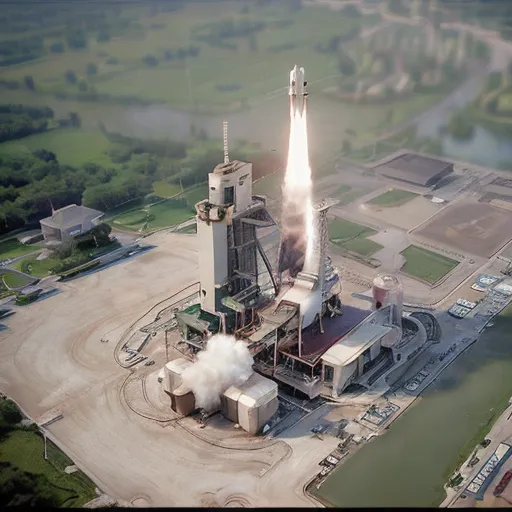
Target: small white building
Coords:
[[69, 222]]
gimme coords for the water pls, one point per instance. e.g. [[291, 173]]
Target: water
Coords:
[[409, 465]]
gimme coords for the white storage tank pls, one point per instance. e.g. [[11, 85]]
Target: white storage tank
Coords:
[[172, 373], [387, 290], [257, 403]]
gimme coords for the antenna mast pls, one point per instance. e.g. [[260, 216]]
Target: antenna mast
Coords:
[[225, 138]]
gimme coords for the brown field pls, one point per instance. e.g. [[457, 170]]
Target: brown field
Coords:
[[472, 227]]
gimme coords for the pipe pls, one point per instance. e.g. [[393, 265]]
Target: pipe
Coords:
[[300, 333], [267, 265]]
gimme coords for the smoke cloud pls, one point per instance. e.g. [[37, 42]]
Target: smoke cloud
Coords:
[[297, 219], [225, 362]]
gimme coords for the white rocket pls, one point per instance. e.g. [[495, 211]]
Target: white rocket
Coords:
[[298, 91]]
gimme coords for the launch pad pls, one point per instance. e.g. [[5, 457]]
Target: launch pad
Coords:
[[290, 318]]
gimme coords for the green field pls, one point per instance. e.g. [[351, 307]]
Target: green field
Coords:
[[352, 237], [392, 198], [73, 146], [505, 102], [35, 267], [425, 264], [25, 450], [161, 215], [269, 185], [13, 280], [218, 75], [164, 189], [11, 248]]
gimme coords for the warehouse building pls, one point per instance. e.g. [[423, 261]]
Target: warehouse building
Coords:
[[416, 170], [69, 222]]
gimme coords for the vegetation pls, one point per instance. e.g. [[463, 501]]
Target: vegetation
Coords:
[[11, 248], [393, 198], [427, 265], [26, 478], [14, 280], [352, 237]]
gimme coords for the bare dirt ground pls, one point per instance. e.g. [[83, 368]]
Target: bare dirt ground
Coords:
[[470, 226], [52, 361], [407, 216]]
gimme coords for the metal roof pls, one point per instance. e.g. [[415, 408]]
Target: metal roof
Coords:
[[351, 347], [71, 216], [414, 168]]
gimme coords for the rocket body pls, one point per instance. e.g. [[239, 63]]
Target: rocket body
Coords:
[[298, 90]]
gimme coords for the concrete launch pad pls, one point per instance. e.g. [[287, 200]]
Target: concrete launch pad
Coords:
[[52, 362]]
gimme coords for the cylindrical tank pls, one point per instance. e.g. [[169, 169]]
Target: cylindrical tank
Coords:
[[387, 290]]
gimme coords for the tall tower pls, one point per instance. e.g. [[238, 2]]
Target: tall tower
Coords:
[[226, 228]]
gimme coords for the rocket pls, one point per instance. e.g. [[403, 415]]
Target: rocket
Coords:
[[298, 89]]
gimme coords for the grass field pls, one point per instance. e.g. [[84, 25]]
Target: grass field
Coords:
[[72, 146], [25, 450], [425, 264], [352, 237], [392, 198], [505, 102], [11, 248], [164, 189], [14, 280], [161, 215], [34, 267], [269, 185], [256, 68]]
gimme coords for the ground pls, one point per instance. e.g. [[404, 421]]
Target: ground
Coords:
[[470, 226], [352, 237], [393, 198], [25, 450], [425, 264], [62, 367]]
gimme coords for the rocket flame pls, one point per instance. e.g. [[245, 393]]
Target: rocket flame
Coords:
[[298, 225]]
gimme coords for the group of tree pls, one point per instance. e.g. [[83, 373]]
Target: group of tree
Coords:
[[219, 33], [17, 121], [21, 488]]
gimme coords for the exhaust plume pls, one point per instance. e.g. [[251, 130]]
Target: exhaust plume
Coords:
[[297, 218], [225, 362]]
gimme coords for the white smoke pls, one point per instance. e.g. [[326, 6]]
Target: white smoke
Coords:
[[225, 362]]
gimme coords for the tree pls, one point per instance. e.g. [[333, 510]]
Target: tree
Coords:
[[82, 86], [29, 82], [103, 36], [91, 69], [70, 77], [150, 60], [77, 40], [75, 120], [57, 47], [9, 412]]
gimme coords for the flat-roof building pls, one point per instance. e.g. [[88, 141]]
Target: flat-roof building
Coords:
[[415, 169], [69, 222]]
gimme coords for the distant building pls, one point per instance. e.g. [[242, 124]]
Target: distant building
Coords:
[[415, 169], [68, 222]]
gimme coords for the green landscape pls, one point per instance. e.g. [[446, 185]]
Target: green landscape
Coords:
[[352, 237], [29, 479], [393, 198], [427, 265]]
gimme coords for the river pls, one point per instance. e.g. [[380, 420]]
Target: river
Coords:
[[410, 463]]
